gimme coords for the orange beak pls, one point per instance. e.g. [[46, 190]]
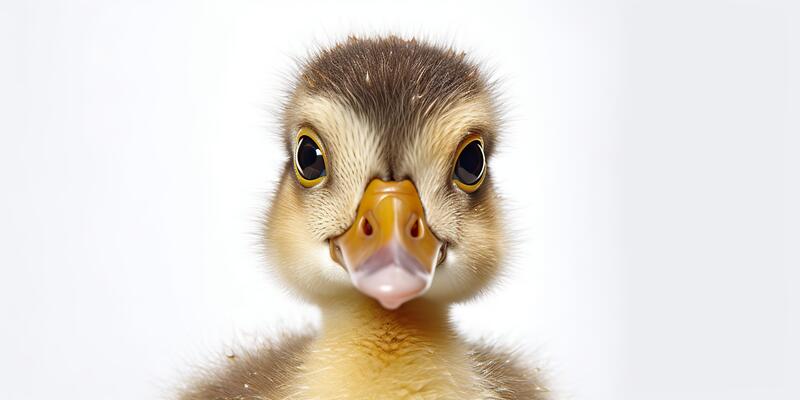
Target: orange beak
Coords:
[[389, 251]]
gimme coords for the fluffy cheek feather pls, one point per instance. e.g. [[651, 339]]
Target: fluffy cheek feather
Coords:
[[299, 259], [474, 262]]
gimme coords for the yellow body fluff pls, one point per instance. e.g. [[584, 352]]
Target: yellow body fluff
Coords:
[[364, 350]]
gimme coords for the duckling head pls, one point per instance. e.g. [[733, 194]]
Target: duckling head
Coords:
[[387, 188]]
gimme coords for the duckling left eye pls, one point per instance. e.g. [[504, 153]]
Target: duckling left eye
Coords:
[[309, 160]]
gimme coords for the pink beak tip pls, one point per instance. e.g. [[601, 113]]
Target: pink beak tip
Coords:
[[392, 285]]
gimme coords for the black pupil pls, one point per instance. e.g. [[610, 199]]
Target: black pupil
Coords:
[[310, 162], [469, 165]]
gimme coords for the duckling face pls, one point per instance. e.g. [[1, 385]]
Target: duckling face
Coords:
[[387, 188]]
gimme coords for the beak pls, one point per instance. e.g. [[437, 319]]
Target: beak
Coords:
[[389, 251]]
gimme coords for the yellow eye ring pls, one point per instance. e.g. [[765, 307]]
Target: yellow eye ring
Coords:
[[310, 159], [469, 169]]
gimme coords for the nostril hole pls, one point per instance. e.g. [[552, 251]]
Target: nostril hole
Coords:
[[366, 227], [415, 229]]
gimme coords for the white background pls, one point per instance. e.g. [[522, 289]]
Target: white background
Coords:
[[651, 164]]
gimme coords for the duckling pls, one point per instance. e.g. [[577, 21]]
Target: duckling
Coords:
[[385, 215]]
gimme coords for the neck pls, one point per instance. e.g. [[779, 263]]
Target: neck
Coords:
[[364, 349], [359, 315]]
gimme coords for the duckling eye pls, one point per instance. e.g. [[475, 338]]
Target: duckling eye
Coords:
[[309, 160], [470, 165]]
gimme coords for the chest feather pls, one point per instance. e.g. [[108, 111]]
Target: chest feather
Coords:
[[387, 359]]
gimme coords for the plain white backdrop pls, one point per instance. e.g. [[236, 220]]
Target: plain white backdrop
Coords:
[[650, 164]]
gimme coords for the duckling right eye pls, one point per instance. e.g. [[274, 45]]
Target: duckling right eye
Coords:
[[309, 160], [470, 166]]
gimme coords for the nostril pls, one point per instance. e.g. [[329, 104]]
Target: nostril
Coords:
[[414, 231], [366, 227]]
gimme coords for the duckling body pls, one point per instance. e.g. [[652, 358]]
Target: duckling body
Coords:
[[364, 351], [384, 216]]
